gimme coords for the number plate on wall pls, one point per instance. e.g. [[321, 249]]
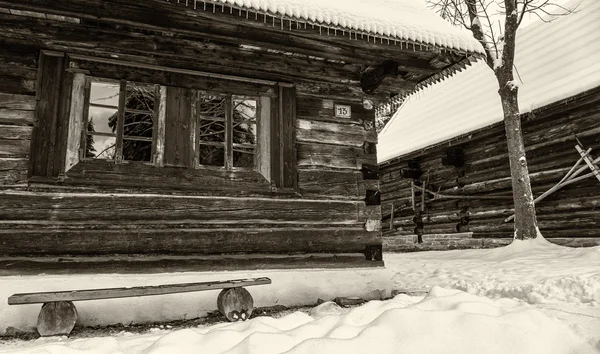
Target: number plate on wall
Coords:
[[342, 111]]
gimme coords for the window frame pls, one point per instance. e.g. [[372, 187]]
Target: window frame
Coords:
[[228, 145], [63, 119], [121, 112]]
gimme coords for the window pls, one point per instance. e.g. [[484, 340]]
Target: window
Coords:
[[119, 121], [202, 127], [227, 132]]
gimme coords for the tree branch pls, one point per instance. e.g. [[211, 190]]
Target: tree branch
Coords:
[[477, 31]]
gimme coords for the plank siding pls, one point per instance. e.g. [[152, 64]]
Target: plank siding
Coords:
[[478, 220]]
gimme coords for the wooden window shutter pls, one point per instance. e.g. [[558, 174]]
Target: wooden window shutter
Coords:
[[47, 151], [179, 128], [283, 143]]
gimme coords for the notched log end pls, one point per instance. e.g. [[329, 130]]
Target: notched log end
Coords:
[[374, 252]]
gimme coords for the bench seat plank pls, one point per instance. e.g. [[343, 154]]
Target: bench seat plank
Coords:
[[112, 293]]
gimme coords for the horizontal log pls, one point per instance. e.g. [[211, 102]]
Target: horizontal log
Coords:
[[533, 147], [159, 264], [14, 132], [341, 91], [328, 137], [9, 164], [575, 241], [506, 182], [368, 212], [18, 52], [567, 222], [494, 237], [16, 102], [496, 225], [12, 116], [541, 129], [319, 183], [400, 194], [335, 127], [325, 155], [17, 80], [13, 170], [14, 148], [179, 223], [491, 213], [548, 234], [401, 223], [441, 218], [129, 207], [180, 241]]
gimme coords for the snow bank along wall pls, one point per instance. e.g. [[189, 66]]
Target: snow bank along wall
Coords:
[[471, 175]]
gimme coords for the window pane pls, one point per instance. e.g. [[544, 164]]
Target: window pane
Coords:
[[100, 147], [140, 97], [104, 93], [211, 106], [138, 125], [134, 150], [211, 131], [244, 133], [244, 109], [211, 155], [102, 120], [243, 157]]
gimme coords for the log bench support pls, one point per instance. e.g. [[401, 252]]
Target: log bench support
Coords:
[[59, 315]]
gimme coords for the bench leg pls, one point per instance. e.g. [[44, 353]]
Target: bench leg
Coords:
[[235, 304], [56, 318]]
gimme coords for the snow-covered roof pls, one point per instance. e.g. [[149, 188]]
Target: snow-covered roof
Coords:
[[400, 20], [554, 60]]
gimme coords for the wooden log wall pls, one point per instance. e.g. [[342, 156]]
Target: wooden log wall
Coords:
[[102, 210], [477, 188]]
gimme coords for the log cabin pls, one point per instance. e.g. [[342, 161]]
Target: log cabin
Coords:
[[179, 135], [445, 177], [153, 141]]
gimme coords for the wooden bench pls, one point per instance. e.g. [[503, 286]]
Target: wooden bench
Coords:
[[58, 314]]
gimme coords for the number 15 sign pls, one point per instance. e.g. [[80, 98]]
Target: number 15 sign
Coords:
[[342, 111]]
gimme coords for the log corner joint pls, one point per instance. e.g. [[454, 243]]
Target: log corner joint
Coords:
[[374, 252]]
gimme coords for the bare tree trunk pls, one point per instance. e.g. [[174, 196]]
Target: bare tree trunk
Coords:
[[525, 217]]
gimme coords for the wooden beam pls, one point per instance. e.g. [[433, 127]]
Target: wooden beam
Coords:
[[161, 264]]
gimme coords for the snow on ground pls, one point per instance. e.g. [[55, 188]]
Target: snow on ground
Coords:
[[529, 297], [535, 271]]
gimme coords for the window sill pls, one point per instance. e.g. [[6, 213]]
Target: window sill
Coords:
[[104, 175]]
